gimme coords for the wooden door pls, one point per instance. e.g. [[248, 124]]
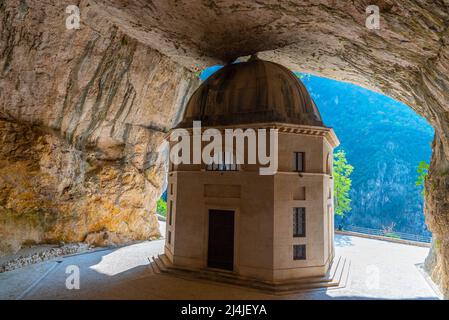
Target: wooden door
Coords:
[[221, 239]]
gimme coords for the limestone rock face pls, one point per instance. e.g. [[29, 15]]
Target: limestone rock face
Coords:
[[82, 116], [107, 91], [407, 59]]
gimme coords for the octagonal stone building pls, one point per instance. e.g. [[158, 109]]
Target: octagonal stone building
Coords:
[[225, 216]]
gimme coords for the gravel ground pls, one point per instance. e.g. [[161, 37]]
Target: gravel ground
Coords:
[[41, 253]]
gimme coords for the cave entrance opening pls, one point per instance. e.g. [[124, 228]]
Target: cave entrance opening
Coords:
[[389, 146]]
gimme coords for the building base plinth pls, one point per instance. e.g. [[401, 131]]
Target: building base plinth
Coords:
[[336, 278]]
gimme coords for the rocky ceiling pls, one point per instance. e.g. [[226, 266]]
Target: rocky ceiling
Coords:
[[407, 58], [328, 38], [99, 98]]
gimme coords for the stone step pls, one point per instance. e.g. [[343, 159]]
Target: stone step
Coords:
[[155, 265], [332, 273], [346, 274], [335, 269], [164, 260], [317, 283], [154, 269], [336, 277], [150, 266], [160, 264]]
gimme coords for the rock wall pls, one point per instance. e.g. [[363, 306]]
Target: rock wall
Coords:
[[102, 90], [437, 217], [82, 115], [407, 58]]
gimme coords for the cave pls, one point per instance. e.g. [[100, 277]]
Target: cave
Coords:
[[84, 109]]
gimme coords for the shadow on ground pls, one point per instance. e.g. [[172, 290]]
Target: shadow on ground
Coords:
[[124, 273]]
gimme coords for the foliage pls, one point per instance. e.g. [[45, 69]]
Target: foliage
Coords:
[[302, 76], [389, 228], [342, 183], [392, 235], [423, 173], [161, 207], [198, 73], [389, 231]]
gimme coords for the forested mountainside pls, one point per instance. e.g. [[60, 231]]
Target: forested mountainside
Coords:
[[384, 140]]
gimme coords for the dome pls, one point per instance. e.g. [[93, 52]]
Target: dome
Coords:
[[256, 91]]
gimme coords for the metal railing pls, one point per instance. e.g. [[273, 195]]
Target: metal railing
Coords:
[[393, 234]]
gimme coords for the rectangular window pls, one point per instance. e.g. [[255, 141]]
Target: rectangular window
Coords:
[[299, 161], [299, 222], [170, 217], [221, 167], [299, 252], [223, 162], [169, 237], [171, 188]]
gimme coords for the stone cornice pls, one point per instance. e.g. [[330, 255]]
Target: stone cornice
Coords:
[[288, 128]]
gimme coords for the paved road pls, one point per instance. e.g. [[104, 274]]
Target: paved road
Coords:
[[380, 270]]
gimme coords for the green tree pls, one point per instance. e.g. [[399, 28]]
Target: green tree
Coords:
[[161, 207], [423, 173], [301, 75], [342, 183]]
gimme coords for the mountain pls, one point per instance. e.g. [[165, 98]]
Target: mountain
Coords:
[[384, 140]]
